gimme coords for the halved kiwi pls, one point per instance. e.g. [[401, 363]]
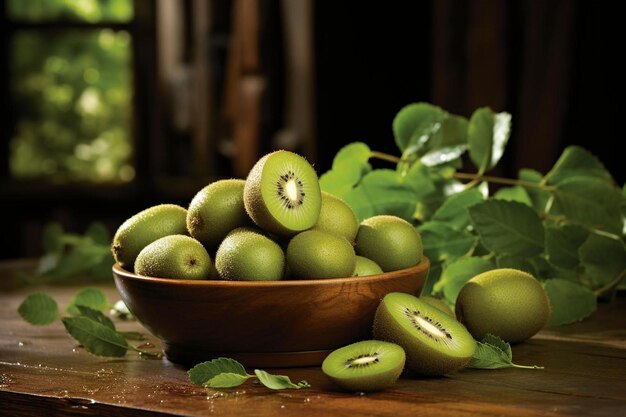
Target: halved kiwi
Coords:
[[435, 343], [370, 365], [282, 194]]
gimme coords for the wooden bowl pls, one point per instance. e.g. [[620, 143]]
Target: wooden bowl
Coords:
[[261, 324]]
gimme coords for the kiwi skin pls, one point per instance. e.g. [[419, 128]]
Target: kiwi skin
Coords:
[[506, 302], [216, 210], [391, 242], [257, 208], [246, 254], [421, 357], [364, 267], [438, 303], [174, 256], [336, 217], [144, 228], [314, 254], [370, 380]]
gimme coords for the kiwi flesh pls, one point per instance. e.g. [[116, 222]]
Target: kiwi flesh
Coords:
[[216, 210], [369, 365], [174, 256], [506, 302], [314, 254], [144, 228], [435, 343], [282, 194], [390, 241], [336, 217], [246, 254], [364, 267]]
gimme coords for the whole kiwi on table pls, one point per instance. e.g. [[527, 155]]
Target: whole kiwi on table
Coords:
[[277, 224]]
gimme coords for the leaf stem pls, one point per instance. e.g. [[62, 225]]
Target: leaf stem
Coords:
[[385, 157], [611, 284], [475, 178], [527, 367]]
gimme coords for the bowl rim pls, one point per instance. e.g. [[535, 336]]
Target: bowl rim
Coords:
[[424, 265]]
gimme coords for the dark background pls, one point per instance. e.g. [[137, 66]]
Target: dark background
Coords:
[[553, 65]]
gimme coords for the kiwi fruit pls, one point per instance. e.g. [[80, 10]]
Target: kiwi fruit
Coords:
[[174, 256], [438, 303], [364, 267], [246, 254], [315, 254], [391, 242], [144, 228], [369, 365], [216, 210], [506, 302], [435, 343], [282, 194], [336, 217]]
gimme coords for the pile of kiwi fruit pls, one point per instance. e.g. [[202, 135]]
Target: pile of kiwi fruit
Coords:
[[277, 224]]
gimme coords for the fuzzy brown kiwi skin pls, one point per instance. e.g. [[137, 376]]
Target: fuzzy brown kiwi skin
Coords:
[[255, 206], [420, 358]]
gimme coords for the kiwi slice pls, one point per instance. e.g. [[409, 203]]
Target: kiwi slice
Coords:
[[434, 342], [282, 194], [370, 365]]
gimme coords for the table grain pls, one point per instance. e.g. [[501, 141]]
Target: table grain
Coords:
[[43, 372]]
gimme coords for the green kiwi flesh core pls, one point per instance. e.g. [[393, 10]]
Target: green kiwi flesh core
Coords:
[[370, 358], [431, 326], [290, 191]]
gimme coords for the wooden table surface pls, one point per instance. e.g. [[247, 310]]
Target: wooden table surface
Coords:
[[44, 373]]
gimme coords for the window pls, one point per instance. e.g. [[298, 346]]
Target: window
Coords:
[[70, 90]]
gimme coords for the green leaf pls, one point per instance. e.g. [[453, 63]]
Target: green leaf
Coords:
[[515, 193], [497, 342], [577, 162], [590, 201], [487, 356], [415, 124], [39, 309], [226, 380], [494, 353], [205, 371], [508, 227], [51, 238], [515, 262], [454, 210], [570, 302], [434, 274], [488, 134], [562, 243], [603, 258], [382, 191], [95, 315], [456, 274], [96, 337], [443, 243], [99, 234], [538, 196], [278, 381], [349, 166], [89, 297], [448, 143]]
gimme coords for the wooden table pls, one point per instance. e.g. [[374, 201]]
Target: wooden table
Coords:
[[44, 373]]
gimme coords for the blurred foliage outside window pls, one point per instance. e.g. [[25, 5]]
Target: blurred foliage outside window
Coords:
[[71, 91]]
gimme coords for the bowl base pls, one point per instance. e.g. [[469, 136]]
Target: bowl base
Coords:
[[190, 356]]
